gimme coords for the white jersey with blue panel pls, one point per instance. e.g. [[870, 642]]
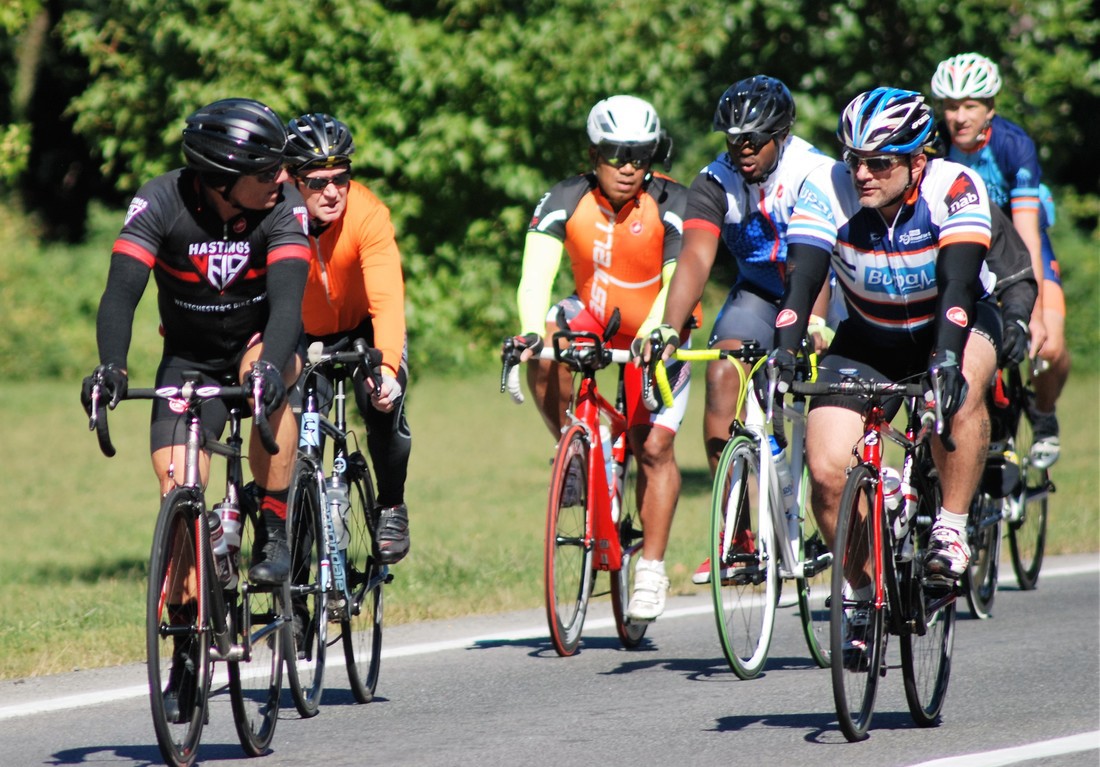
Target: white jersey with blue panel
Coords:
[[887, 270]]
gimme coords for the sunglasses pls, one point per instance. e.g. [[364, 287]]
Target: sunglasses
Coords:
[[756, 139], [877, 164], [267, 176], [618, 155], [321, 182]]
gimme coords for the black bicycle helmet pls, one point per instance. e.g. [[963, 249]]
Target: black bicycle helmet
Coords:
[[234, 137], [317, 141], [758, 103]]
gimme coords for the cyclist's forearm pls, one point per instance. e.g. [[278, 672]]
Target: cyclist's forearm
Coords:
[[807, 268], [126, 281], [692, 271], [541, 259], [958, 271], [657, 310], [285, 285]]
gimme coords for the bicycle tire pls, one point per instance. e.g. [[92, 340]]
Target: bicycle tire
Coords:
[[261, 621], [171, 562], [305, 664], [982, 572], [926, 658], [855, 670], [567, 555], [1027, 535], [361, 621], [630, 632], [813, 589], [745, 601]]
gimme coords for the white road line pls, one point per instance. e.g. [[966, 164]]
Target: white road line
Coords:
[[425, 648], [1086, 741]]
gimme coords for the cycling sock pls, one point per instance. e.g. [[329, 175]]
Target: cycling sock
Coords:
[[274, 504], [954, 521]]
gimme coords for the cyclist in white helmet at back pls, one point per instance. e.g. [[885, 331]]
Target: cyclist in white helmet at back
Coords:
[[1005, 157]]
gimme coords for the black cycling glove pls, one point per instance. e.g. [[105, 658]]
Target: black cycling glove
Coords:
[[113, 382], [944, 367], [272, 386]]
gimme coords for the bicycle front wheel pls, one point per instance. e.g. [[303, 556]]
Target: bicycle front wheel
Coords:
[[567, 560], [305, 654], [361, 624], [926, 649], [857, 624], [985, 553], [261, 619], [630, 631], [177, 647], [813, 587], [1027, 534], [743, 568]]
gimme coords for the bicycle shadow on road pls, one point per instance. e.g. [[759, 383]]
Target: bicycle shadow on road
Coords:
[[820, 727], [139, 756]]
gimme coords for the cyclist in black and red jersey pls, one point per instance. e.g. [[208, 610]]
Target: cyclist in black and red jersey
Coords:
[[226, 242]]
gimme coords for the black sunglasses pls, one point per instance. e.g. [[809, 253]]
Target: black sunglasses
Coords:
[[321, 182], [618, 155], [267, 176], [876, 164], [756, 139]]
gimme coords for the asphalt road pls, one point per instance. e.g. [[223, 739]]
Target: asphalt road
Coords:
[[1025, 689]]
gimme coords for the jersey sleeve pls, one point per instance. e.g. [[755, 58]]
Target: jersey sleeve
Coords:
[[706, 204], [963, 211], [814, 220], [142, 229], [671, 202]]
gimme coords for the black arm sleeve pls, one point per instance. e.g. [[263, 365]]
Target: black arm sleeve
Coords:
[[807, 268], [126, 281], [958, 272], [286, 282]]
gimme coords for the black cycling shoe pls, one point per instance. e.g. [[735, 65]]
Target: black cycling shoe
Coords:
[[271, 563], [179, 693], [393, 534]]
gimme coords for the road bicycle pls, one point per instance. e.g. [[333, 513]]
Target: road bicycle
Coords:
[[592, 520], [878, 579], [336, 575], [198, 611], [760, 533], [1013, 495]]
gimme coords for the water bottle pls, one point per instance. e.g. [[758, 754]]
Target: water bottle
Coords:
[[608, 460], [219, 547], [230, 516], [337, 491], [786, 487], [891, 493]]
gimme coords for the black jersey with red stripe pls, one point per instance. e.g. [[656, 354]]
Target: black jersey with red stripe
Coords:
[[211, 274]]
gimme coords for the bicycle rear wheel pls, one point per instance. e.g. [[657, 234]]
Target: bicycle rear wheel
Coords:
[[630, 538], [857, 624], [177, 647], [261, 619], [361, 621], [926, 649], [305, 653], [1028, 533], [813, 588], [743, 569], [567, 560], [984, 533]]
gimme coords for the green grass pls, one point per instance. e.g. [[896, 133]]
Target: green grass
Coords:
[[77, 526]]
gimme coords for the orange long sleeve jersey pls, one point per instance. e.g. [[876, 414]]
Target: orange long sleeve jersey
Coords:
[[355, 272]]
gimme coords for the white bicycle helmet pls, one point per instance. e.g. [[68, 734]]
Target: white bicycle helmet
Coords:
[[624, 120], [966, 76], [886, 121]]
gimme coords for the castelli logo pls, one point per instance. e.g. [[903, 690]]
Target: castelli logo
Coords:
[[785, 318], [957, 315], [177, 405], [636, 227]]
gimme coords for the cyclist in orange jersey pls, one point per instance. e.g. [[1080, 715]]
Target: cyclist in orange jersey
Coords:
[[356, 289], [620, 225]]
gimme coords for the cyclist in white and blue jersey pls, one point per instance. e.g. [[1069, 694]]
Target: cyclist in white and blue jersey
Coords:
[[1005, 157], [907, 238]]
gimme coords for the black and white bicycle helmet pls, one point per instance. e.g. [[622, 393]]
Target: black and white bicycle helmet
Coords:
[[887, 121], [759, 103], [317, 141], [966, 76], [234, 137], [624, 120]]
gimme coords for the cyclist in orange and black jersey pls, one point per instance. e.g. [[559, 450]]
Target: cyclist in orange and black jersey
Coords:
[[621, 226], [356, 289]]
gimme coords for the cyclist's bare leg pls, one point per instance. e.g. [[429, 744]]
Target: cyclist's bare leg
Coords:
[[658, 486], [552, 387], [1049, 384], [168, 464], [831, 434], [723, 389], [961, 470], [272, 472]]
